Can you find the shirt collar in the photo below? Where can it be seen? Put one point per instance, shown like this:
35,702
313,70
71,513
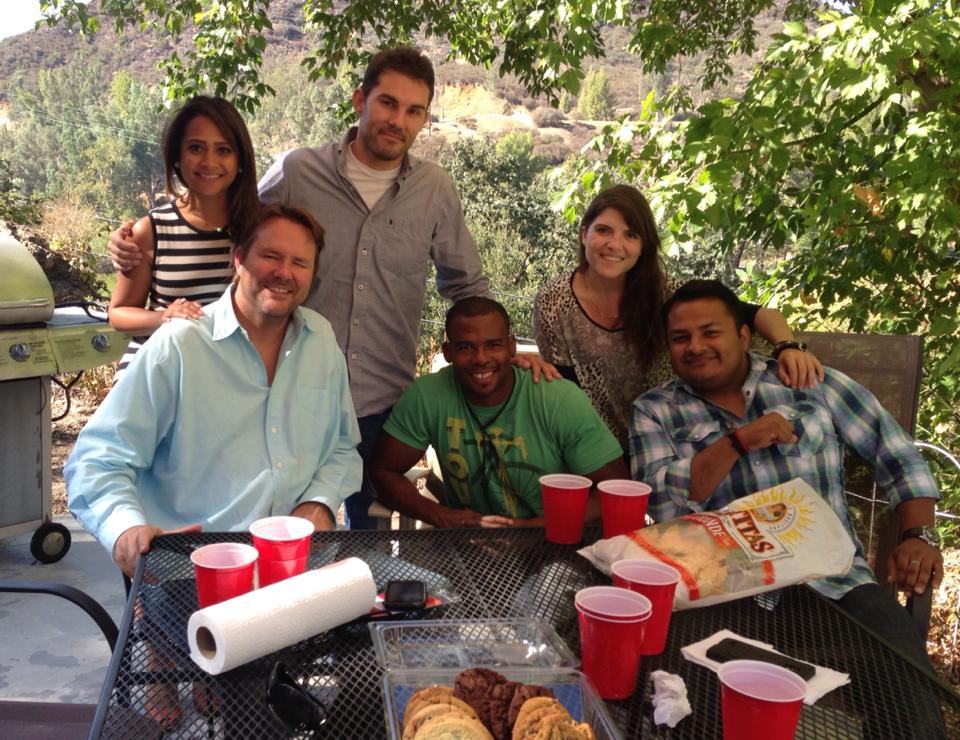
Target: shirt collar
407,166
758,366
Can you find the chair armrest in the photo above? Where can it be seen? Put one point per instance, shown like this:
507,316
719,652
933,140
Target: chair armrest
74,595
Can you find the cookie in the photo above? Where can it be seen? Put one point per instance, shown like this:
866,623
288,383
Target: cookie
478,687
558,727
450,727
431,711
532,713
524,692
433,695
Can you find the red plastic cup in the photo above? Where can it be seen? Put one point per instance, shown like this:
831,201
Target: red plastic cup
564,506
623,506
612,623
760,700
658,582
284,546
223,570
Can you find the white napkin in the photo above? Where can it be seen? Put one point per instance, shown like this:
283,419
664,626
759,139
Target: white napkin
823,681
670,702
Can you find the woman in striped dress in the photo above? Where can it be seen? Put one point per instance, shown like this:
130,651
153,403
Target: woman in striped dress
186,244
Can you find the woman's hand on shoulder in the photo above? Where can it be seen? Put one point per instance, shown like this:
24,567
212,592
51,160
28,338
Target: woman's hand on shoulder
799,369
536,365
181,309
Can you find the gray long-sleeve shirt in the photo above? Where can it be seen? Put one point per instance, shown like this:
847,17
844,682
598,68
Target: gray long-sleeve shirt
372,272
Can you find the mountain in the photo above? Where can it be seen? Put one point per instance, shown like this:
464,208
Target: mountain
22,56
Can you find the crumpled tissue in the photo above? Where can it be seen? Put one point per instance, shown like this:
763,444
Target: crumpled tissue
670,702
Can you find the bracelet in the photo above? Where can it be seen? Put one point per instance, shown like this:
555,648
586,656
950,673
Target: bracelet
737,444
787,344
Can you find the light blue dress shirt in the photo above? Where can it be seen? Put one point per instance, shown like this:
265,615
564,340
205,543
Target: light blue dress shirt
194,433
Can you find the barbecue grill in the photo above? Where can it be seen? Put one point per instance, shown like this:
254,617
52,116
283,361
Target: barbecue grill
38,341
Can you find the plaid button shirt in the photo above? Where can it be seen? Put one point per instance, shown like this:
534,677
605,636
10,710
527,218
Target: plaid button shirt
672,423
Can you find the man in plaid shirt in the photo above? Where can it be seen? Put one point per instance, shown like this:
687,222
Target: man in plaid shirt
728,427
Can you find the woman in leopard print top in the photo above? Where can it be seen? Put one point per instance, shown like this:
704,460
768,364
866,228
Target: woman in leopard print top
600,324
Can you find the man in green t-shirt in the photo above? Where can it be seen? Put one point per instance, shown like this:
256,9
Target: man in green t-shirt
494,430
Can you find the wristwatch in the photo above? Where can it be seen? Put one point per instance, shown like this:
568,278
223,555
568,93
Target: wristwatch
928,534
788,344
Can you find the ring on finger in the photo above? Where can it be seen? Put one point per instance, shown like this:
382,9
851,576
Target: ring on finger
914,562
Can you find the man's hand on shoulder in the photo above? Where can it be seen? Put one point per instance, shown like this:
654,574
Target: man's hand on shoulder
537,366
317,514
124,252
913,564
135,542
799,369
769,429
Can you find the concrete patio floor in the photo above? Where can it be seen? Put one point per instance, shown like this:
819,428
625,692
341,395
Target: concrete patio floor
51,651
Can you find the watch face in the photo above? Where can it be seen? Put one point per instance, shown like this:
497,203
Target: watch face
932,536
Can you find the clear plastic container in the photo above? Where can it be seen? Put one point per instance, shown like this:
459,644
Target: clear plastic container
570,686
463,643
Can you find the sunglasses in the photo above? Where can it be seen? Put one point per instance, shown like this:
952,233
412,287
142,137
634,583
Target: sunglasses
293,705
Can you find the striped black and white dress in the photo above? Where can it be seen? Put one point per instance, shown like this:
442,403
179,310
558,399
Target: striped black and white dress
188,263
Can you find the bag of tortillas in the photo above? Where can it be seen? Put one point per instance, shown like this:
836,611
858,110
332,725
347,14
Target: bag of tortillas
773,538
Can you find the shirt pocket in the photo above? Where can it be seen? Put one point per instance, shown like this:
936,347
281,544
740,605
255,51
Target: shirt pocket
808,425
403,246
690,439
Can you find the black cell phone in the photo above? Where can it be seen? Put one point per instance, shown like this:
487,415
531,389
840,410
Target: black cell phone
405,595
730,649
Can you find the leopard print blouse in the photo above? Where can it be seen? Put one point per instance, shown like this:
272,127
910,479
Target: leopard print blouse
607,368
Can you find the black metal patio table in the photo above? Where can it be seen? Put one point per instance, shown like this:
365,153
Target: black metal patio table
493,573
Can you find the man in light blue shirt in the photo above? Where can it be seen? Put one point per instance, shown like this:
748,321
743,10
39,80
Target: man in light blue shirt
244,413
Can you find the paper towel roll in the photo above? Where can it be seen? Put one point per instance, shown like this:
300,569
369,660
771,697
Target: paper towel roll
234,632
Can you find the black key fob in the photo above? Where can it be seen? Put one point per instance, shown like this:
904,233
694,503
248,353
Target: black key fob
405,595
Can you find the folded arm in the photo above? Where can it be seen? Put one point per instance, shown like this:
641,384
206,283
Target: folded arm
391,460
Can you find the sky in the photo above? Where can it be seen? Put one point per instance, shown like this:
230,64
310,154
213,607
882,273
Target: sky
19,16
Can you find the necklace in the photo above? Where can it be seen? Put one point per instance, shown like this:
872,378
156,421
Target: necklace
594,306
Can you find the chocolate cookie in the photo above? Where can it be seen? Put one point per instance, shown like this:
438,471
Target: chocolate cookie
524,692
478,688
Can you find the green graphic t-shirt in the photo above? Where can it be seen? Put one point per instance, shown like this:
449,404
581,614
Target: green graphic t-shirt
542,428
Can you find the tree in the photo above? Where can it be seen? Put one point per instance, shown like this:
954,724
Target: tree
596,102
543,42
842,162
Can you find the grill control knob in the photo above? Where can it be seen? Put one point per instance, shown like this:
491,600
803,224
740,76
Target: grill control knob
100,342
20,351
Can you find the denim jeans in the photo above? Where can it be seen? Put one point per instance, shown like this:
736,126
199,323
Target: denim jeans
356,505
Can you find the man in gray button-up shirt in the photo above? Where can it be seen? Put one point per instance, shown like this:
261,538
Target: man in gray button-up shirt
386,215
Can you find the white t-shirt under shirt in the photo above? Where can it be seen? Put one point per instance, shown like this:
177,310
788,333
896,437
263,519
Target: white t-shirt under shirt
370,183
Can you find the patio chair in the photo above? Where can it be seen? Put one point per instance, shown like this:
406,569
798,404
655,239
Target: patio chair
29,719
890,367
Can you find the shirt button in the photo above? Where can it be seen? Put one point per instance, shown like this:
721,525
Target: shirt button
353,356
360,286
273,429
363,252
279,466
356,322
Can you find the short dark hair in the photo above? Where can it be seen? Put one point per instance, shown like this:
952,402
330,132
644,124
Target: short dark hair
242,200
474,306
403,59
695,290
296,214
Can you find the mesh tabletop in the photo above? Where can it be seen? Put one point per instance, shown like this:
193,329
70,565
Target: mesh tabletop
491,573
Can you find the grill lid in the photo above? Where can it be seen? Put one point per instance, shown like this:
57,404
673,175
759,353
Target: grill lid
26,295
